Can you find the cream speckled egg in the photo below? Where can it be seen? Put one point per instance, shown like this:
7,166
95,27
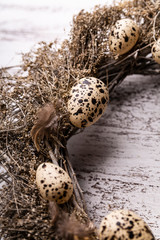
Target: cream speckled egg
53,183
124,225
88,101
123,36
156,51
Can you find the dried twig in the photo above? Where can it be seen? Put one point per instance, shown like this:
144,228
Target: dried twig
10,67
75,182
154,25
52,156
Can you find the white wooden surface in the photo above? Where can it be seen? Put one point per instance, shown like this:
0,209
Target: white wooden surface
117,160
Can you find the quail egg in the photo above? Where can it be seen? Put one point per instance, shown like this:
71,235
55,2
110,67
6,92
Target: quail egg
88,101
123,36
124,225
53,183
156,51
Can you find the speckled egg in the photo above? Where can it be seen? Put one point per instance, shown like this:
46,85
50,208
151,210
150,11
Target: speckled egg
53,183
123,36
156,51
88,101
124,225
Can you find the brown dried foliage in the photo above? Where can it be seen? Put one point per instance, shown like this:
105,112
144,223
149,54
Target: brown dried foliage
71,229
44,79
49,121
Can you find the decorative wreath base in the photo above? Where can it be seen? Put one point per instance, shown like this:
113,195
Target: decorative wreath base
45,77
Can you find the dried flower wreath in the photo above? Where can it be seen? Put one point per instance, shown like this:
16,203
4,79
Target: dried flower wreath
70,85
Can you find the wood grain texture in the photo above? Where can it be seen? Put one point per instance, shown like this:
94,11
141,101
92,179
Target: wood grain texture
25,23
117,160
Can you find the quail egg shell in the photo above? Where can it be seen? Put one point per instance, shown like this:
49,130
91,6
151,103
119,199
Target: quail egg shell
156,51
123,36
88,101
124,225
53,183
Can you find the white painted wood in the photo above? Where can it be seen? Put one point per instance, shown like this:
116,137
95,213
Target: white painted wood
117,160
25,23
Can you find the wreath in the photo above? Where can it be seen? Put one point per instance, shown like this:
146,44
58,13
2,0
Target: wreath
55,94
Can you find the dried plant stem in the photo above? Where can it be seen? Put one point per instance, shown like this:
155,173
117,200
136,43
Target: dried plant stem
154,26
78,190
50,151
4,179
4,155
9,67
12,129
15,199
68,167
20,107
118,79
134,54
10,155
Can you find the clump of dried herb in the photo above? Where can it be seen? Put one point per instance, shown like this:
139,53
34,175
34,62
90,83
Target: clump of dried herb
43,82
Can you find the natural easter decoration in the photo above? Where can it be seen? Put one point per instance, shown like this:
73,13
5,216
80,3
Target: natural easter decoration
54,183
124,224
88,101
156,51
124,35
36,120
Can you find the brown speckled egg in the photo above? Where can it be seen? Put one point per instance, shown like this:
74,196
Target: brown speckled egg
53,183
124,225
88,101
123,36
156,51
